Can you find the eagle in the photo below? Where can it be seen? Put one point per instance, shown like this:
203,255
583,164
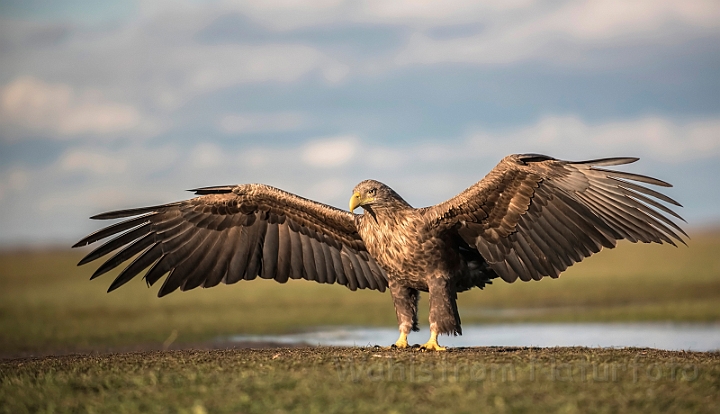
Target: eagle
532,216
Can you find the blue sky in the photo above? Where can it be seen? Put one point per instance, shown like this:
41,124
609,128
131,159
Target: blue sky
116,104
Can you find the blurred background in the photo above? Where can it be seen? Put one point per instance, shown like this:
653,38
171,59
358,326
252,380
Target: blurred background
122,103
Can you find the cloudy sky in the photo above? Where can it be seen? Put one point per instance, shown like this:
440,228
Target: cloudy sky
113,104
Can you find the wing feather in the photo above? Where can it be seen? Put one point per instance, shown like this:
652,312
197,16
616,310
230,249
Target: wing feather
125,254
644,190
349,268
239,261
208,253
256,241
338,266
319,256
114,229
114,244
529,258
362,274
270,251
549,233
368,277
225,248
549,250
644,220
329,268
296,264
308,258
140,263
284,253
190,254
534,216
231,233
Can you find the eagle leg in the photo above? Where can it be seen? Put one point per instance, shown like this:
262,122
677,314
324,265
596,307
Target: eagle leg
444,316
405,300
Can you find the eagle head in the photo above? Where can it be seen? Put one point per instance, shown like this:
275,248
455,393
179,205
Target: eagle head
371,194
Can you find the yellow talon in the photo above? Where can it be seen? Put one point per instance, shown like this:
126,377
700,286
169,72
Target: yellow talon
432,344
402,341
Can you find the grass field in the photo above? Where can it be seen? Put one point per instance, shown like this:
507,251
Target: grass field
47,303
359,380
48,307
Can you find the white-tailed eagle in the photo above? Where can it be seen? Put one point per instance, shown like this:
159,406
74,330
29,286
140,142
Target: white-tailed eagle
532,216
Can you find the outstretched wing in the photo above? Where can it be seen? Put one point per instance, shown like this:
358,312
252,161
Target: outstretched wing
232,233
534,216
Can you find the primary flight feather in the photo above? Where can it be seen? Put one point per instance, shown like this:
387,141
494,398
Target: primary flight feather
531,216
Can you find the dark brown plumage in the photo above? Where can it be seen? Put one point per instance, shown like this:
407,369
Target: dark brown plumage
531,216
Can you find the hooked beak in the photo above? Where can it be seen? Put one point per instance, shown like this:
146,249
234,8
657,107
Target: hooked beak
355,201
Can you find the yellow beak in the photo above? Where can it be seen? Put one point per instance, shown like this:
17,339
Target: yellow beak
355,201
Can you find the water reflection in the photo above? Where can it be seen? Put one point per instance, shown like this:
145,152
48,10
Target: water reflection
695,337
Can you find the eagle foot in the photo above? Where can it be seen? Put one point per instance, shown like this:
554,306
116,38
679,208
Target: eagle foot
401,343
432,346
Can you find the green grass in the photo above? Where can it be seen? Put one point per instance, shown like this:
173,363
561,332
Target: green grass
47,303
358,380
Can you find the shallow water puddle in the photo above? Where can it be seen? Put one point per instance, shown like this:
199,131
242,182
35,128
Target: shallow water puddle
692,337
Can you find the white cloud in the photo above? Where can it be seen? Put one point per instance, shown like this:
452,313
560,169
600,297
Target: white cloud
290,14
603,19
257,157
52,201
92,162
564,33
152,66
156,62
181,68
87,180
652,137
130,161
584,19
287,15
211,67
329,189
437,13
206,155
262,122
32,104
330,152
568,137
15,180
